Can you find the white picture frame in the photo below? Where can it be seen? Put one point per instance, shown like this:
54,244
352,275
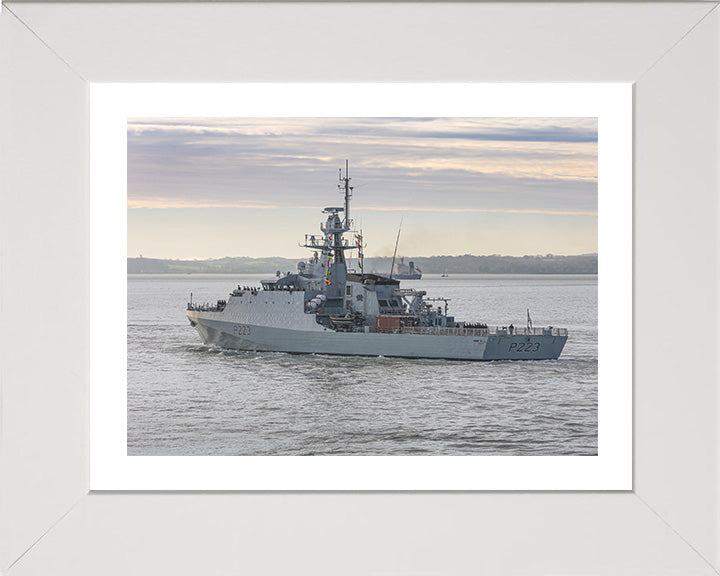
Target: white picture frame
667,524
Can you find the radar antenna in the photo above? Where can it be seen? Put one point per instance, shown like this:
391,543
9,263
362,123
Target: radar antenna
345,187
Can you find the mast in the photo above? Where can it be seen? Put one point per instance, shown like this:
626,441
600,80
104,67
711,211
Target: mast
345,187
397,240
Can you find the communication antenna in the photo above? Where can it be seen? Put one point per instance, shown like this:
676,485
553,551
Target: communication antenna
345,187
397,240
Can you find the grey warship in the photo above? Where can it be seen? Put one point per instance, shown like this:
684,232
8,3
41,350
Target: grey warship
327,308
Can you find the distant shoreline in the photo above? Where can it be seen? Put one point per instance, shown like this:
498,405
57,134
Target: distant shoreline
425,275
465,264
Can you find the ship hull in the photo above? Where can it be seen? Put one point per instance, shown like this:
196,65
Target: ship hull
229,334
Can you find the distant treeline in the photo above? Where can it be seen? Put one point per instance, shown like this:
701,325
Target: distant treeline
466,264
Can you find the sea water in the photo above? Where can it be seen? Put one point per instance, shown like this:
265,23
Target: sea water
185,398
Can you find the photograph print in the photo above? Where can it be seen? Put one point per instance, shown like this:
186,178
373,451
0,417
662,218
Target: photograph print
362,286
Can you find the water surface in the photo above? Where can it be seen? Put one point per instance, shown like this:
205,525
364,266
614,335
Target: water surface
188,399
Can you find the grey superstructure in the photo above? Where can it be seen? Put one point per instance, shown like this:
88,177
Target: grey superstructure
326,308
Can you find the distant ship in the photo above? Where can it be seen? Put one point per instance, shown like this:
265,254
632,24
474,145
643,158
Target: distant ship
402,271
324,308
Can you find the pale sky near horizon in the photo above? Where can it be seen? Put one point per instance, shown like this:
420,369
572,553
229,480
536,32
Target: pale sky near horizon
214,187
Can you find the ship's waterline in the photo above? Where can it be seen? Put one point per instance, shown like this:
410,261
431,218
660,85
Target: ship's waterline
448,343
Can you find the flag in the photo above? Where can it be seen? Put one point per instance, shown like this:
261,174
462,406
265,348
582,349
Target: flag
361,256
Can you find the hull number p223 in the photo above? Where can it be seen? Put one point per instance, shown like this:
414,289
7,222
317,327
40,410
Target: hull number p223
524,347
241,330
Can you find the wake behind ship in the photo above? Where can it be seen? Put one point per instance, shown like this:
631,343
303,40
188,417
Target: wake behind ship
325,308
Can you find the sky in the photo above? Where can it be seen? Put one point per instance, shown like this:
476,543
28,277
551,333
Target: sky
213,187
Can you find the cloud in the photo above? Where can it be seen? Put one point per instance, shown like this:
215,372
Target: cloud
233,161
544,167
465,210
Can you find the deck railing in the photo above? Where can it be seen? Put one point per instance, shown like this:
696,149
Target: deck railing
219,306
489,331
